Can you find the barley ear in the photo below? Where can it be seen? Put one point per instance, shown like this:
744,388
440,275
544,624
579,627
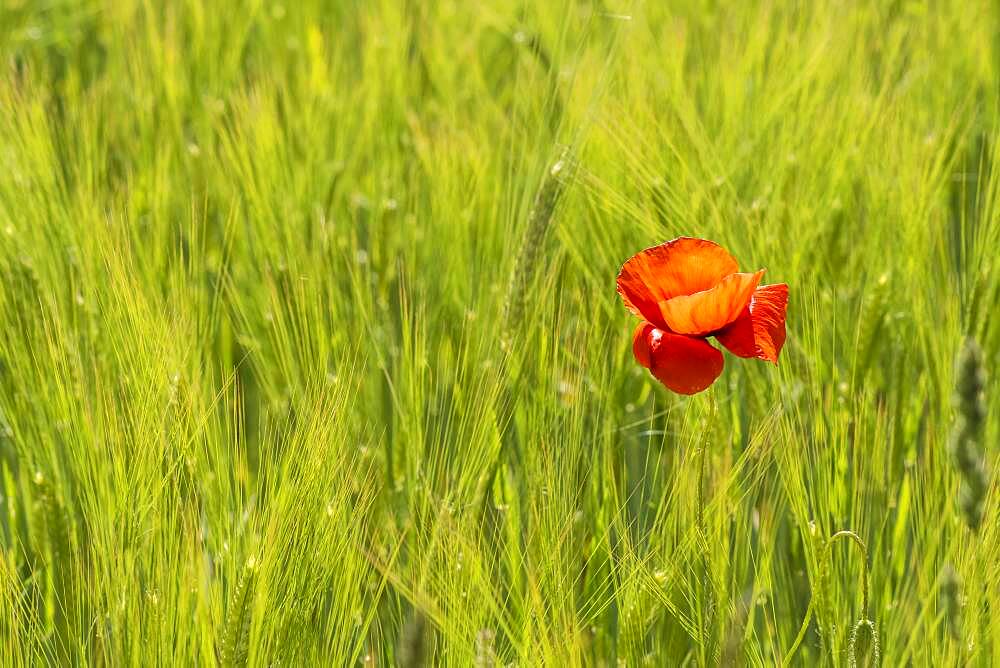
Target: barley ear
486,654
824,616
413,642
966,438
531,246
951,593
237,628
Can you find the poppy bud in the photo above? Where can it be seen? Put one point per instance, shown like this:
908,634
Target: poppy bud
863,648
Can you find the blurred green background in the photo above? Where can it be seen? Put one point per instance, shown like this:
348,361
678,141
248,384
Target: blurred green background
307,357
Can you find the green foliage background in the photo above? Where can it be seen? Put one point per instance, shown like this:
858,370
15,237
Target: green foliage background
256,377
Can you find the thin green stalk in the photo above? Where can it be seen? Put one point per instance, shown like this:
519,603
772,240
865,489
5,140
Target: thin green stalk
865,620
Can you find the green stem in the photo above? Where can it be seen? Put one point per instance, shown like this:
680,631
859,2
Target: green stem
856,539
801,635
864,557
702,468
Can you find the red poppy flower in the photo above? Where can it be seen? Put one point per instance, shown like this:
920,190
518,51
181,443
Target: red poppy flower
687,290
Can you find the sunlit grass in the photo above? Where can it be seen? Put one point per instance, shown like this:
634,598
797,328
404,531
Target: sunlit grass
263,400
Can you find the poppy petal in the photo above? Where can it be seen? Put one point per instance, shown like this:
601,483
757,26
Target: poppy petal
710,310
760,330
640,344
684,364
682,266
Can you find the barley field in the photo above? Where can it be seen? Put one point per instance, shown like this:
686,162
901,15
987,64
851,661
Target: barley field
311,352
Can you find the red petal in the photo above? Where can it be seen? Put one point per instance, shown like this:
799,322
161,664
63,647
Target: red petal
684,364
640,344
710,310
683,266
760,330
